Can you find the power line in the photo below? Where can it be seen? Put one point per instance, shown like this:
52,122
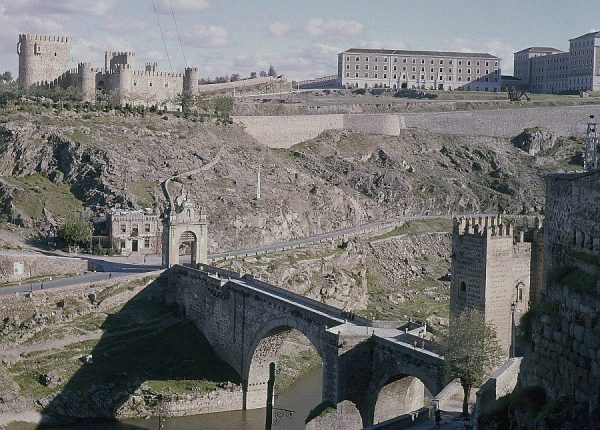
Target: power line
162,34
178,33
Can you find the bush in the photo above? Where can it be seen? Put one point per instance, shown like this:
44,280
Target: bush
75,232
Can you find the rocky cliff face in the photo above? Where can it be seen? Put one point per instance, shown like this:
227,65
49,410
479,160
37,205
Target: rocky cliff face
119,161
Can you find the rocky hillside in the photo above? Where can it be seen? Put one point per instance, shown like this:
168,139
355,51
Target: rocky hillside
89,162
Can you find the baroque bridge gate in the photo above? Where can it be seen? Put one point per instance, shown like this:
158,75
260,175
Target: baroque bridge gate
242,317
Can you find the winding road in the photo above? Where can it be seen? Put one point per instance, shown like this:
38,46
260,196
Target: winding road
112,267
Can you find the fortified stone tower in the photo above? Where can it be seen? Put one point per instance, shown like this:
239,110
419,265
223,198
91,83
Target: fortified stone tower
190,81
493,270
86,82
114,59
42,58
151,66
186,222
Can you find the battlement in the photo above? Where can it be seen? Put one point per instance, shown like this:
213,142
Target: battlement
43,38
84,65
488,226
159,74
118,54
191,69
493,227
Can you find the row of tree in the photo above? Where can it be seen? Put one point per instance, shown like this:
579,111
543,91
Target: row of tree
237,77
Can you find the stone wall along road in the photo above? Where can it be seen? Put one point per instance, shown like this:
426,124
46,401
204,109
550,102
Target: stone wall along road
561,121
286,131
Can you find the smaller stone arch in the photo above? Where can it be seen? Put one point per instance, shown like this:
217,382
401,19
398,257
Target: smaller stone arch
400,395
388,367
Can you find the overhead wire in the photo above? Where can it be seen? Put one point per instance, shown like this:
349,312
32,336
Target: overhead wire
178,33
162,35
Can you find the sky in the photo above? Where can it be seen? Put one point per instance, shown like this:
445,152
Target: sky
300,38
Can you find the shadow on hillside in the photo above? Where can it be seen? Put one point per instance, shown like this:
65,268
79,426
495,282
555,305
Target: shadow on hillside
143,341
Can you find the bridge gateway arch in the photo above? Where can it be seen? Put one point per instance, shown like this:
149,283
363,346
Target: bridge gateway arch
186,223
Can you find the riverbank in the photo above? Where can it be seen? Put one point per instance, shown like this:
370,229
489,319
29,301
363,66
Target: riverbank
105,350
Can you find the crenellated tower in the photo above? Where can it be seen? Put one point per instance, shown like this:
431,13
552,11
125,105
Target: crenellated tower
42,59
114,60
493,270
86,82
190,81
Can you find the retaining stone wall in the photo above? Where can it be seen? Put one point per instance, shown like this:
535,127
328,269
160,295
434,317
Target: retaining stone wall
560,121
16,267
286,131
565,357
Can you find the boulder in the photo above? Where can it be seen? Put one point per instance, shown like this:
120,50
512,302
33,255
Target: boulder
534,141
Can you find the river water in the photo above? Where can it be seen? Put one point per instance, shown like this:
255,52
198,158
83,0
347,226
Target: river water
301,398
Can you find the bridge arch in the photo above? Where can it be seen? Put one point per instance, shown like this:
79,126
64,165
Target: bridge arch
264,348
399,374
399,395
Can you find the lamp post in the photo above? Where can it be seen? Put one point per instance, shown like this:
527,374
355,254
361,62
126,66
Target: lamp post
513,307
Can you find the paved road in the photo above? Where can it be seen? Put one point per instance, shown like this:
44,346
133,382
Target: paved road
122,266
350,231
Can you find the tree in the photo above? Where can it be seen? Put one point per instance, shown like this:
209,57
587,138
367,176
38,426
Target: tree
252,75
471,350
234,77
272,71
262,74
6,77
75,232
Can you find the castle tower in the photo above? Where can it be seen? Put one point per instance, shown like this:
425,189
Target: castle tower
122,81
491,271
42,58
186,222
190,81
151,66
112,60
86,82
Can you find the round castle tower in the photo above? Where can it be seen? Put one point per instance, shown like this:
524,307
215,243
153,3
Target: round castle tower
42,58
190,81
86,82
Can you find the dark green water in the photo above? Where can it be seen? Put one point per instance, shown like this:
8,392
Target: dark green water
301,398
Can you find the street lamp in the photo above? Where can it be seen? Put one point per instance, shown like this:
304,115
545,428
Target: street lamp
513,307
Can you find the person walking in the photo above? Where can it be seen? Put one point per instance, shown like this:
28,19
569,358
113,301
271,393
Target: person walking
438,417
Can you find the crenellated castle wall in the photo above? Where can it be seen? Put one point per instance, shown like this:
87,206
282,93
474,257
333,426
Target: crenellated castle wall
571,230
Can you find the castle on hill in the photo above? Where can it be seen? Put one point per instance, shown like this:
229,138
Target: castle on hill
45,61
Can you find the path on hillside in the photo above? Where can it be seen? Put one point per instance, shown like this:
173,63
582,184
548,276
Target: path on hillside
202,168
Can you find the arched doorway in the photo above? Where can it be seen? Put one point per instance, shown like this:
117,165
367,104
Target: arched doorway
401,394
188,243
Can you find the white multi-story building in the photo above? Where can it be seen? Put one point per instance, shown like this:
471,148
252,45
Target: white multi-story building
369,68
550,70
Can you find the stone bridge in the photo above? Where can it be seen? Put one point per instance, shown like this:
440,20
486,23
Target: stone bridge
243,319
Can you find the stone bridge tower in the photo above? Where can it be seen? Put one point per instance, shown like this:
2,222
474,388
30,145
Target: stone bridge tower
186,222
42,58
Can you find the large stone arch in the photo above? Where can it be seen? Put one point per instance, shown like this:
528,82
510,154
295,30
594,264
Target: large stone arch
264,349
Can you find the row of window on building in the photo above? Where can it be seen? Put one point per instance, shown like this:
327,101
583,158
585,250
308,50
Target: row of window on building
414,61
135,228
414,69
422,77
